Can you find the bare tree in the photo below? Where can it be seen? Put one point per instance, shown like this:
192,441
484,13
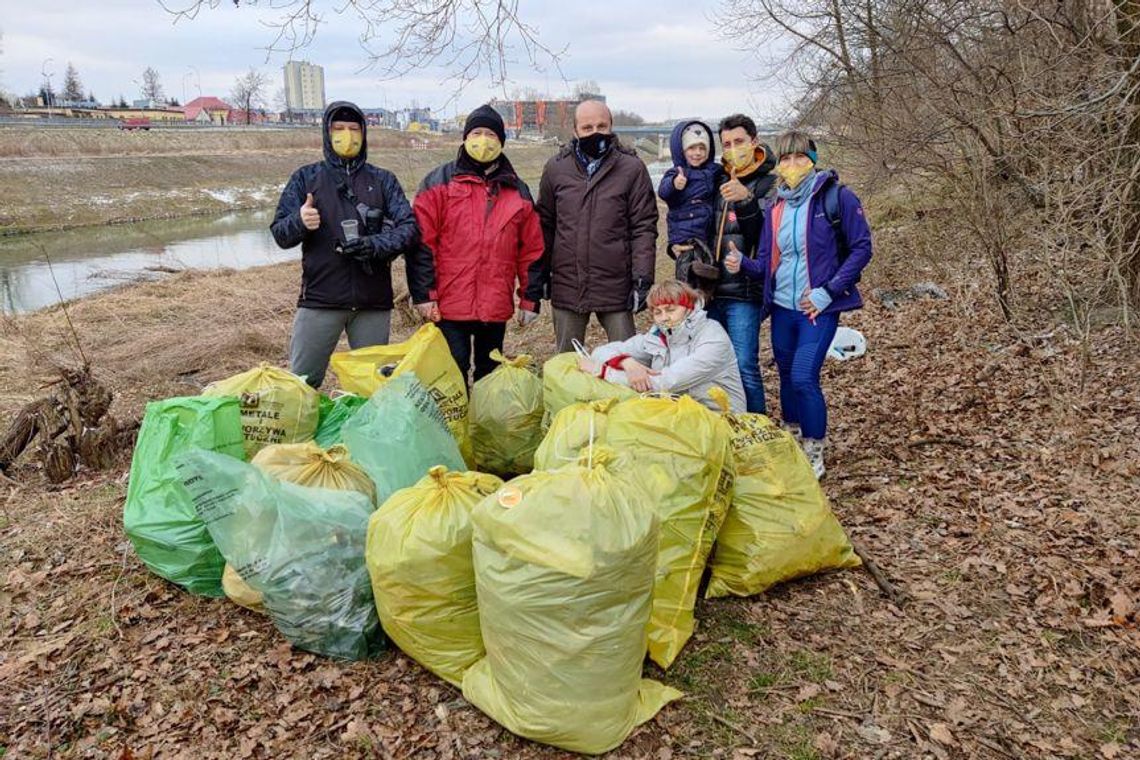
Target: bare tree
152,86
72,87
470,39
1022,114
585,88
280,101
248,93
627,119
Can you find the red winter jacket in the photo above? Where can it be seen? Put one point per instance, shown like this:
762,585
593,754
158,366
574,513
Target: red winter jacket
483,236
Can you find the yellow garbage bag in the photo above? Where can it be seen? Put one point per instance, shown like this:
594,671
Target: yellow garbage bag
305,464
780,525
419,557
564,384
276,406
571,432
364,370
506,417
682,453
564,565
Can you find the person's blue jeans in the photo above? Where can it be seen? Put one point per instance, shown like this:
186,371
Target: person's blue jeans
741,320
800,346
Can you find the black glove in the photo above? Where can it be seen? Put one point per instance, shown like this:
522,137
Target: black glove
637,298
360,249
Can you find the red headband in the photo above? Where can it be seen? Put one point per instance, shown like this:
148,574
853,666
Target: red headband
684,299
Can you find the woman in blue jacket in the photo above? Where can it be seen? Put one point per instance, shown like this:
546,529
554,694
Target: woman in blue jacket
813,247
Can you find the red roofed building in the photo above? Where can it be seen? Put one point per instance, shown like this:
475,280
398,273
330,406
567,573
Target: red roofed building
208,110
238,116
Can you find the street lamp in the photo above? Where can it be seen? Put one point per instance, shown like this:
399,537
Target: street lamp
198,78
49,96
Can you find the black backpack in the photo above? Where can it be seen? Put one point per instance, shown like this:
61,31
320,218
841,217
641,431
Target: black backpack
831,211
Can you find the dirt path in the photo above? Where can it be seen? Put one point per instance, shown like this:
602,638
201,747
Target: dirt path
973,465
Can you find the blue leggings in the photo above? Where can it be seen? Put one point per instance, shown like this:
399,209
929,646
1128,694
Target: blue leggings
800,346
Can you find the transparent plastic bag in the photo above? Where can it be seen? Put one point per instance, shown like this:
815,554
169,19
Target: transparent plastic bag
399,435
301,548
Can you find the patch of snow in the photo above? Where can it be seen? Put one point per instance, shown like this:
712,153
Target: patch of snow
228,197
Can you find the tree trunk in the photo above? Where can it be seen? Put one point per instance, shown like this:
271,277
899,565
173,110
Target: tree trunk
1128,245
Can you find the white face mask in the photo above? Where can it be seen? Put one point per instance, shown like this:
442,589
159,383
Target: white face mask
668,322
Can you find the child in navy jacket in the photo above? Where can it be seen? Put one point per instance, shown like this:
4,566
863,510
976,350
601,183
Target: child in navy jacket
689,188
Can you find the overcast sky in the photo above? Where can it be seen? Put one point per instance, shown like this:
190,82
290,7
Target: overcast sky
659,58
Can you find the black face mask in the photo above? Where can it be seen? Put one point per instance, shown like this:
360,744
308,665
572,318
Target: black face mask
596,145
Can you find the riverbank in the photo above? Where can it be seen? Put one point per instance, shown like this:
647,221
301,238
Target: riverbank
61,178
993,475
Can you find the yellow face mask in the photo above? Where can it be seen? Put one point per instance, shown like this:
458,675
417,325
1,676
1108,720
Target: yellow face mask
793,175
346,143
483,148
740,156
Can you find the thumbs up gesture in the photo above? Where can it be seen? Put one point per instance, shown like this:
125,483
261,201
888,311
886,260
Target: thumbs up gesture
732,259
310,217
680,180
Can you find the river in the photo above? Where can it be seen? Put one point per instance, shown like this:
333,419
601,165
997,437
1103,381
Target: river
36,269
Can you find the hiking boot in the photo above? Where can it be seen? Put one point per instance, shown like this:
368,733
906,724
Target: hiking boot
793,429
813,447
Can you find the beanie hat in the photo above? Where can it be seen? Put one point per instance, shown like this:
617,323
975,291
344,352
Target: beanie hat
345,113
812,152
693,134
485,116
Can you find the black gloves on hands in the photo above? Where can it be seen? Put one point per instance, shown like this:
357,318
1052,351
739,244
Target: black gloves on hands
360,249
637,298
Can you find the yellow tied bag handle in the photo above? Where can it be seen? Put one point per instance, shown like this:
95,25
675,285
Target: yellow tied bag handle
720,398
522,361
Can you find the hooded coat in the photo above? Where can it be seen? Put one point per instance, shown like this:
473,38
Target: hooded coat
691,209
345,188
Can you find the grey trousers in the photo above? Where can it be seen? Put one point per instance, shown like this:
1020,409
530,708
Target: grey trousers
317,331
570,326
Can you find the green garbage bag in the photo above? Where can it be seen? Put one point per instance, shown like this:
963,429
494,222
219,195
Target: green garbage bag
334,413
564,566
301,548
400,434
158,518
505,419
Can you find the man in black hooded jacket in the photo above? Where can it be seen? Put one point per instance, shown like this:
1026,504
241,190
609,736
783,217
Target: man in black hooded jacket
346,280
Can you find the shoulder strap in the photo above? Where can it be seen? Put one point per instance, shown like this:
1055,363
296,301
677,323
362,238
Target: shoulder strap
831,211
342,186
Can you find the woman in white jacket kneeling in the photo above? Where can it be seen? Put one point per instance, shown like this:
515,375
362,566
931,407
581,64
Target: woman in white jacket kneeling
684,351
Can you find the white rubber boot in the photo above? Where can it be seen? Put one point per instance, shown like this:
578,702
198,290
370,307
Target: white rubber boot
793,428
813,447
